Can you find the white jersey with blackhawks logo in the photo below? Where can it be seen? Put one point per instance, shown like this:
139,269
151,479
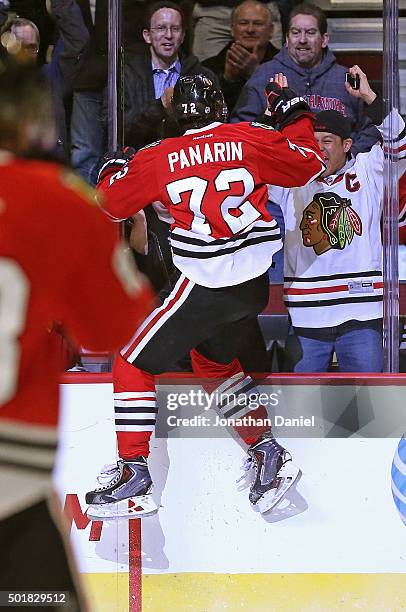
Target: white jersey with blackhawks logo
333,246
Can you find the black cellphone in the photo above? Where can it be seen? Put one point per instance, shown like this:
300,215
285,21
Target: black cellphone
353,82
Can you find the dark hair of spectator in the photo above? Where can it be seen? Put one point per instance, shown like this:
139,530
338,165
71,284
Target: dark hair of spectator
157,6
306,8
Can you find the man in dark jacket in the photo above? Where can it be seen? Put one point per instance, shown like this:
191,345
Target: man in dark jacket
151,76
144,107
251,28
313,73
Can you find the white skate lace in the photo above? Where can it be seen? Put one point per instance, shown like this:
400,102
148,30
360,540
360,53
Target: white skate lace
109,475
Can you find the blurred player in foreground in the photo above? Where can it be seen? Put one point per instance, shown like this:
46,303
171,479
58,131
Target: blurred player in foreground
213,182
59,261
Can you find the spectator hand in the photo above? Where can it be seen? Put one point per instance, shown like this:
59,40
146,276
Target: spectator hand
240,63
280,79
364,92
114,161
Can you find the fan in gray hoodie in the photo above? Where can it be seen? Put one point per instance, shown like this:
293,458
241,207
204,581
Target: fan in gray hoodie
312,72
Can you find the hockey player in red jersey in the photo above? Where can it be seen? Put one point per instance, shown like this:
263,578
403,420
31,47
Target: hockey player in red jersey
213,181
59,261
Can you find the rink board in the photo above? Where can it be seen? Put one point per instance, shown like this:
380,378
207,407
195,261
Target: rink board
337,542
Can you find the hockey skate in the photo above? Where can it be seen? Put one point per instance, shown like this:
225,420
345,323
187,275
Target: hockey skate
124,492
275,472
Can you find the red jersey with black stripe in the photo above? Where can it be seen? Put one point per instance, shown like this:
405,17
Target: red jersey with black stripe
59,261
213,181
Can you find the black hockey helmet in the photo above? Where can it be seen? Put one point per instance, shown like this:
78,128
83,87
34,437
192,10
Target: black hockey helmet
197,101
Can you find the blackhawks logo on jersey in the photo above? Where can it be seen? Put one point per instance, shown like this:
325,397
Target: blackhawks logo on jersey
329,222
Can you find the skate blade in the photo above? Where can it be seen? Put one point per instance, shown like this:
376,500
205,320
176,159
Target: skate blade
131,508
287,476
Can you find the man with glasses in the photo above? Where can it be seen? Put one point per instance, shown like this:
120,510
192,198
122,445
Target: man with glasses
151,76
313,72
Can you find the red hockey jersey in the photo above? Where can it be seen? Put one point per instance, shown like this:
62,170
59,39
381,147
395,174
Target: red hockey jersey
59,261
213,181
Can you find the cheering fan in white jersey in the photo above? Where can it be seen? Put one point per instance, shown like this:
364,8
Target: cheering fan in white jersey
333,250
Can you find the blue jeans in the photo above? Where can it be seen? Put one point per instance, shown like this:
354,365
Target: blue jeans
357,344
88,134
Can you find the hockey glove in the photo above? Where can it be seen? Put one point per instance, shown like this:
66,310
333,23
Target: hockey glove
113,162
284,105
